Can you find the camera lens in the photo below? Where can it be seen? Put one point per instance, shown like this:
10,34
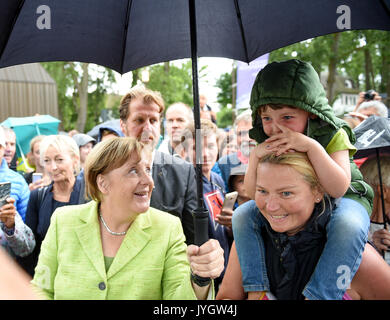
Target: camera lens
369,95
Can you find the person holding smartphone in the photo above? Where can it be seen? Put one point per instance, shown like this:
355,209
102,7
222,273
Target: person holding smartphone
15,236
19,189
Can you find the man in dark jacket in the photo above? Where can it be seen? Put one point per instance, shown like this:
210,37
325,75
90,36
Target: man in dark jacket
174,183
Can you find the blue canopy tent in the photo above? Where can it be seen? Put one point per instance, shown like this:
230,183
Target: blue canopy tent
27,128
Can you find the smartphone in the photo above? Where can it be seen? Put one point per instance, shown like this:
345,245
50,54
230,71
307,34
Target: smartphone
230,200
5,191
36,177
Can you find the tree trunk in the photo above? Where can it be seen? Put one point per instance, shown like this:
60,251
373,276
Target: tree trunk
83,97
385,69
135,73
385,74
234,89
166,67
332,68
367,69
61,112
166,71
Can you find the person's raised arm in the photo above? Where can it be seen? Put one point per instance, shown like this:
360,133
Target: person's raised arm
333,171
372,280
250,175
361,98
231,286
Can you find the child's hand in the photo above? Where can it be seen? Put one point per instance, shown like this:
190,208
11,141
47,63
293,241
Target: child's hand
287,141
259,151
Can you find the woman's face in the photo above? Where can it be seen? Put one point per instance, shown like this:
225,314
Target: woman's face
284,198
59,164
130,186
35,153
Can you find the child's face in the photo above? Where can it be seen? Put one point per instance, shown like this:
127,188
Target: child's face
293,118
209,152
238,185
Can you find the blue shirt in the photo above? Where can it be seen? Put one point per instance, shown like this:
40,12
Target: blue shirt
19,188
224,166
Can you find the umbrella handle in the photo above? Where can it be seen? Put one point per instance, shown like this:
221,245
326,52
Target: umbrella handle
201,226
201,229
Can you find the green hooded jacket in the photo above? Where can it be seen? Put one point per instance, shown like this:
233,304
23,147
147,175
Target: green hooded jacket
297,84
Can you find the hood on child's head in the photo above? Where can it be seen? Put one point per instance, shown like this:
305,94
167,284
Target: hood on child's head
294,83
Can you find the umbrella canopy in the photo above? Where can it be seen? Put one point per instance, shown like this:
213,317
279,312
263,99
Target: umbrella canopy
373,137
127,34
26,128
372,134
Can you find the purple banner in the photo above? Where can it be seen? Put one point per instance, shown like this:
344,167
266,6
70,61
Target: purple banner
246,75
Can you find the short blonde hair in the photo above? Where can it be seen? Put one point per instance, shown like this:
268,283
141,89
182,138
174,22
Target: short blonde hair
61,143
148,96
207,127
298,161
107,156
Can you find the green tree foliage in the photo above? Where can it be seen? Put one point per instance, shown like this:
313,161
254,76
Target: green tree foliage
173,82
70,87
225,117
225,95
362,55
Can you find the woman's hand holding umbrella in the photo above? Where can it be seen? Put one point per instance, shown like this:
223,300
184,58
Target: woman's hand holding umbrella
206,261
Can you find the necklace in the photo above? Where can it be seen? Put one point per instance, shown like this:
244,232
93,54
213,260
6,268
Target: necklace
108,229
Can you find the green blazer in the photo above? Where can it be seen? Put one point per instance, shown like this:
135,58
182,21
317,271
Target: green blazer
151,262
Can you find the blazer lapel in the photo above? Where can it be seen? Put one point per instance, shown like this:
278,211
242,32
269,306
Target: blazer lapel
88,234
136,239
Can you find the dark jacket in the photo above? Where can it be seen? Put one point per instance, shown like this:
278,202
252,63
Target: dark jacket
175,190
297,84
291,260
40,208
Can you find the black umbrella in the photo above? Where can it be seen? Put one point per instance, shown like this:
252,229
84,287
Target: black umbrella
373,137
127,34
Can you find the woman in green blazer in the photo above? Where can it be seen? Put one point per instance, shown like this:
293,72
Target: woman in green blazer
116,246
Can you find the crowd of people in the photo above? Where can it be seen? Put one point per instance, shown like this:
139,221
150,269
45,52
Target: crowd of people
112,217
